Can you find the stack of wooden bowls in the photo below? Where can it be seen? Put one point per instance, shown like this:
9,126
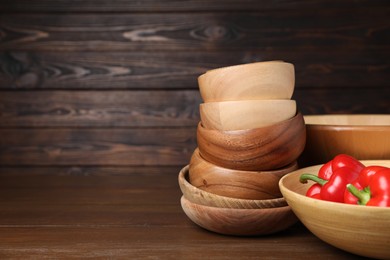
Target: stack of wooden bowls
249,136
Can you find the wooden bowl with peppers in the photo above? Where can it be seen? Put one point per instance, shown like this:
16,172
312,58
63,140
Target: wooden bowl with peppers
345,202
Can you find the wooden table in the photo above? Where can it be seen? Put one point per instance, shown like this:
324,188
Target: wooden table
110,213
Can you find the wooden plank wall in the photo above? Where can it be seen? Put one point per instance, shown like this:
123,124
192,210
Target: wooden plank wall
113,83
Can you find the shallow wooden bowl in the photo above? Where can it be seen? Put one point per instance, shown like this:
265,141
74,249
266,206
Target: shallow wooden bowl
245,114
202,197
366,137
259,149
257,185
239,222
362,230
260,80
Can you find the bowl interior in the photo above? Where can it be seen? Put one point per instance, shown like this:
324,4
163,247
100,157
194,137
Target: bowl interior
358,229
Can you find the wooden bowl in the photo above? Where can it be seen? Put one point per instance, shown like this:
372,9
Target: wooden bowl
365,137
239,222
202,197
260,80
362,230
245,114
259,149
256,185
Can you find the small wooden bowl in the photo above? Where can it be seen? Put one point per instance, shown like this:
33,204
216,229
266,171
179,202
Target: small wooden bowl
245,114
239,222
362,230
259,149
256,185
365,137
202,197
260,80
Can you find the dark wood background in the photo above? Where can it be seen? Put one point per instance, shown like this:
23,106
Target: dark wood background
110,86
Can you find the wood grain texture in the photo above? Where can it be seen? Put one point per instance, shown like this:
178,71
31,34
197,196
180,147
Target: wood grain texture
160,108
369,100
250,185
67,70
344,29
132,147
258,80
99,108
360,136
245,114
107,70
135,216
158,242
85,173
177,70
239,222
203,197
148,172
257,149
177,6
134,199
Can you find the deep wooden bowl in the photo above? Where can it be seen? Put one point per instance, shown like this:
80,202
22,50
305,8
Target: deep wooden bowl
202,197
256,185
245,114
259,149
239,222
362,230
260,80
365,137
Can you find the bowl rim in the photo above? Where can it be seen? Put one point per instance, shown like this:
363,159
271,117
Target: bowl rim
234,102
241,210
217,115
320,125
242,131
335,205
254,204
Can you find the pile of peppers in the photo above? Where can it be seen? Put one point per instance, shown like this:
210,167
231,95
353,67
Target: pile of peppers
345,179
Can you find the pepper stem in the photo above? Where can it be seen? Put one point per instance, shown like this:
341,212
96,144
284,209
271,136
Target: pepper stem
363,196
307,176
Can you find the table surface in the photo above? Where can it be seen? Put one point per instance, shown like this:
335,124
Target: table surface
112,213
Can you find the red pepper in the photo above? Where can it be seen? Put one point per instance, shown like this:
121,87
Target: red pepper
333,177
314,191
364,177
371,188
324,173
343,160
